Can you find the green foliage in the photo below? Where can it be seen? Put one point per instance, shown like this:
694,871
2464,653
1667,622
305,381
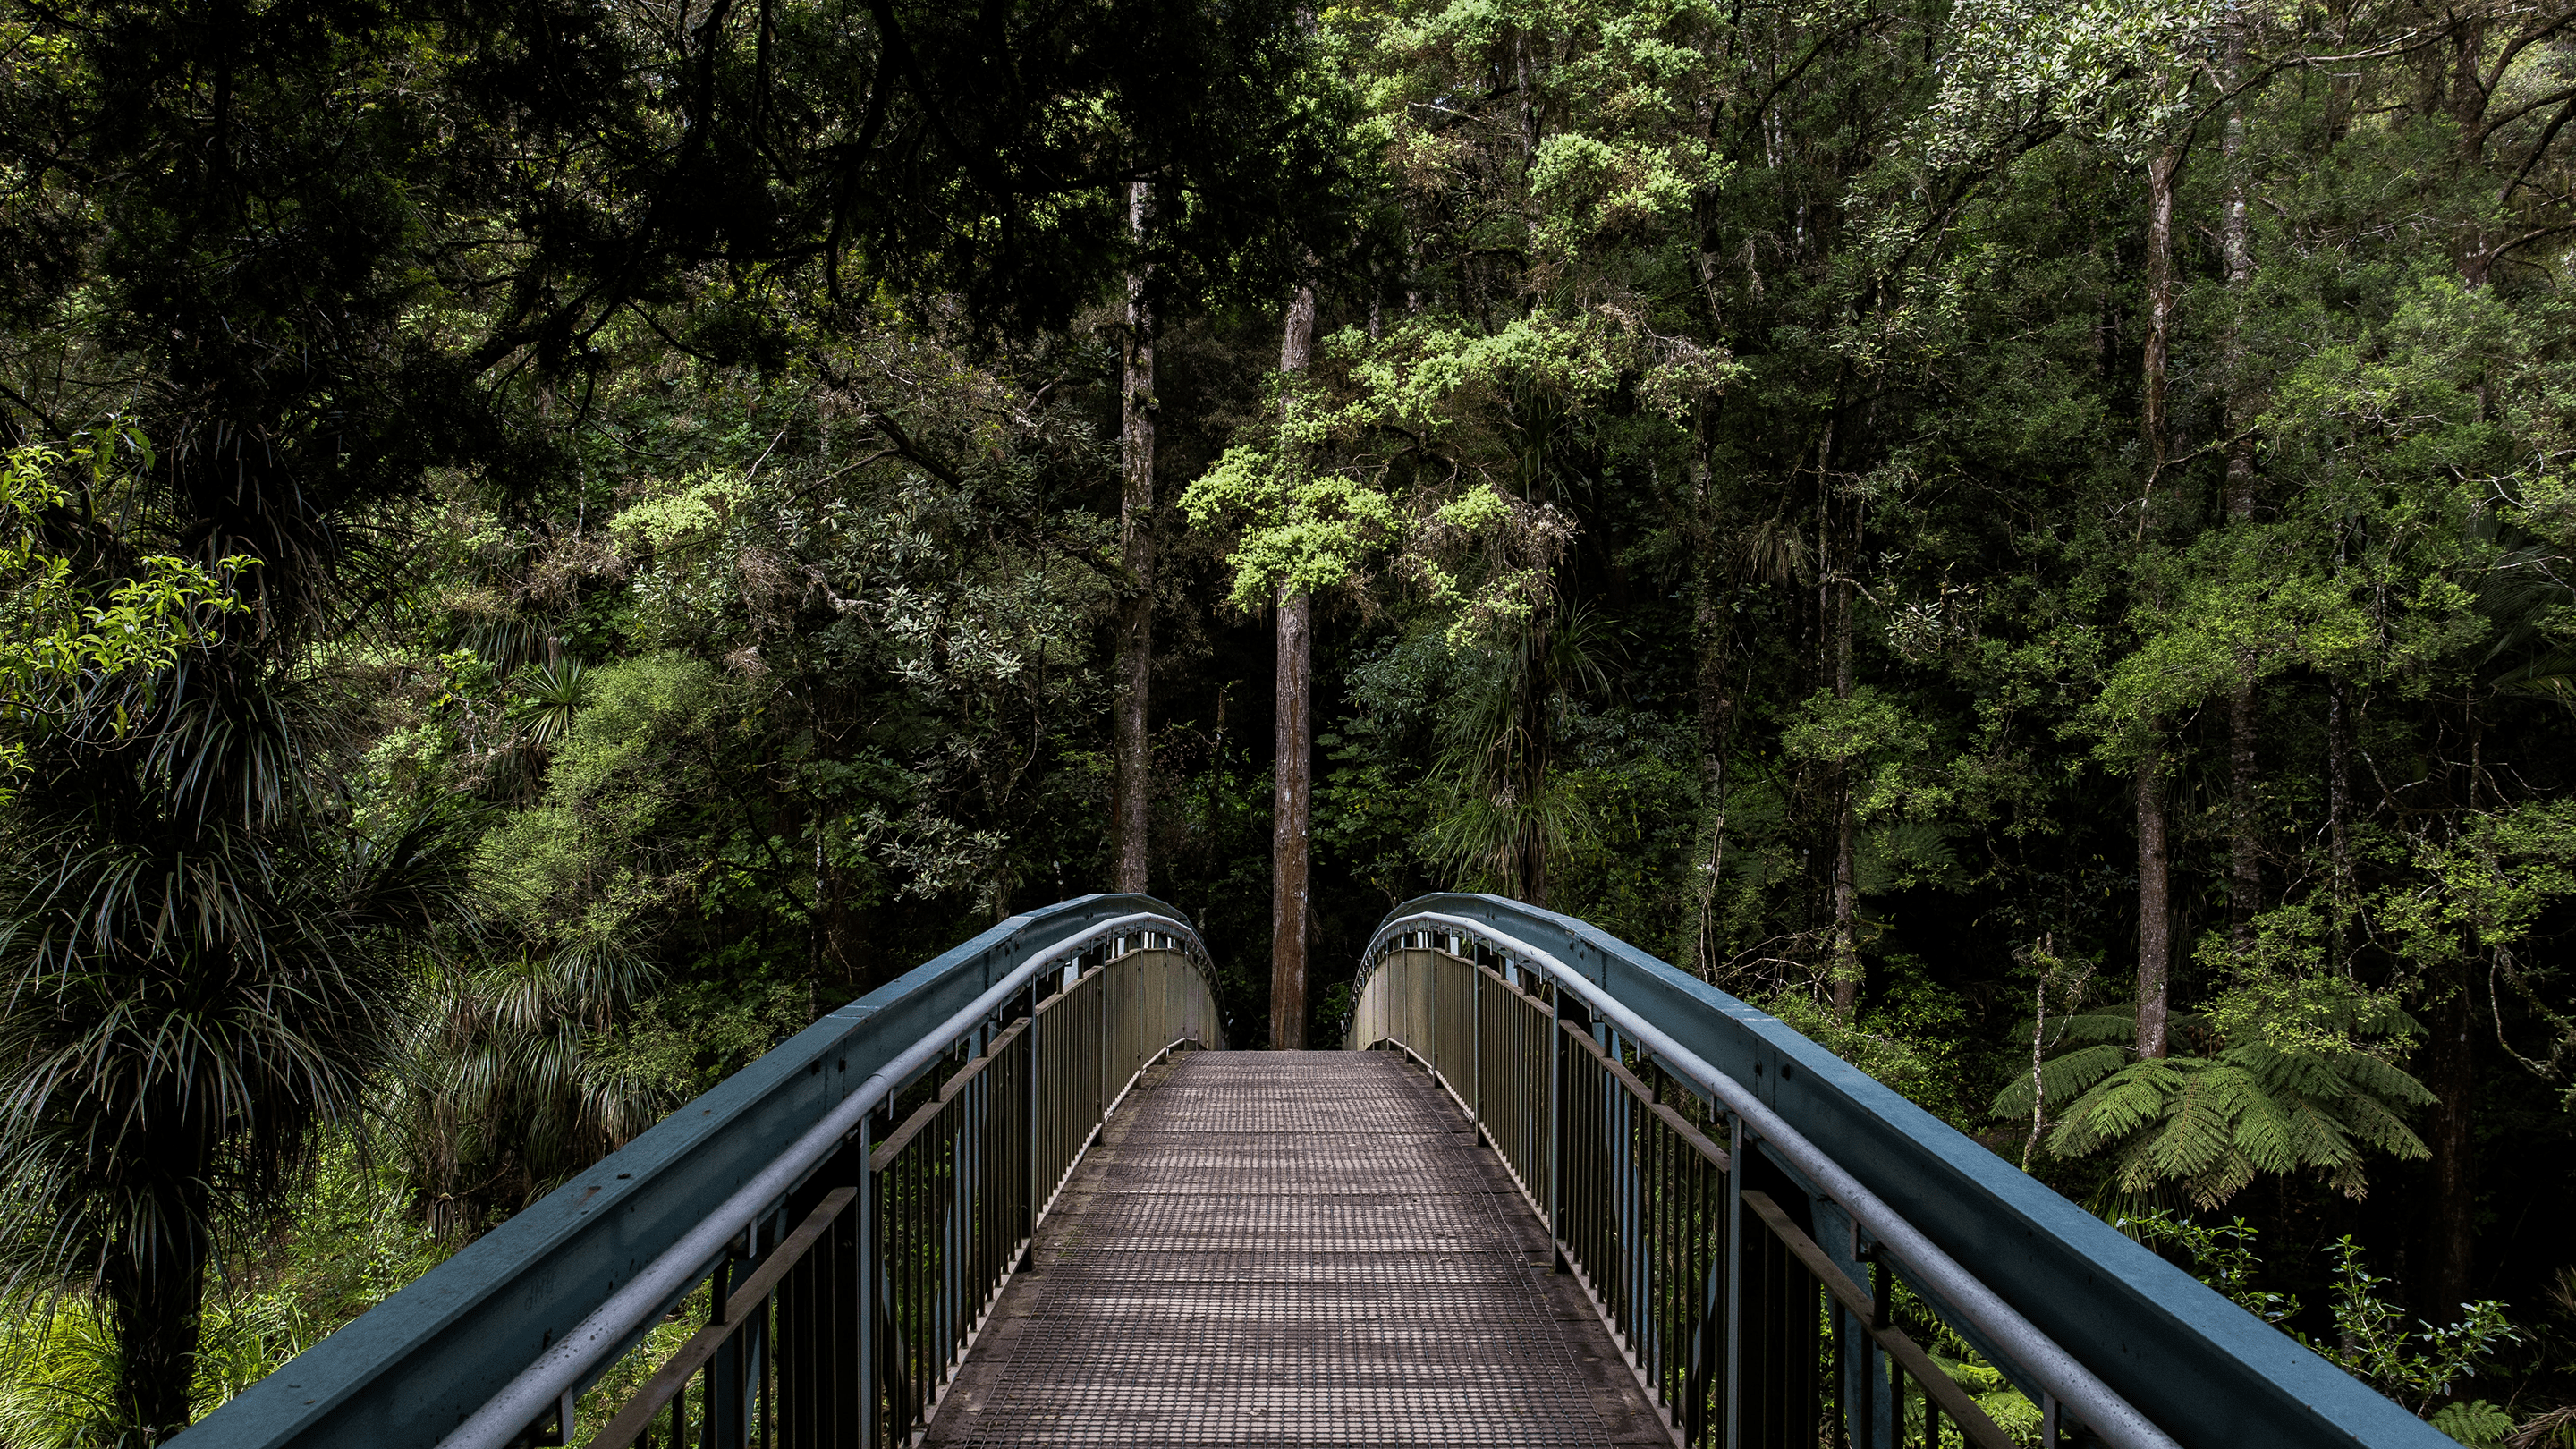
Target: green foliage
503,1091
2414,1365
345,1246
2474,1422
2221,1255
2299,1080
1507,813
2371,1339
689,548
61,633
1873,736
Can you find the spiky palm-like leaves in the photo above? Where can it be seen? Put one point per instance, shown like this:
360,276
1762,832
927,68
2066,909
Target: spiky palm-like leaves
2210,1124
200,969
551,698
502,1092
1507,815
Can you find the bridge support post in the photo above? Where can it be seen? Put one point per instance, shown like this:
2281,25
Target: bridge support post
1029,1137
1556,1123
1731,1347
865,1283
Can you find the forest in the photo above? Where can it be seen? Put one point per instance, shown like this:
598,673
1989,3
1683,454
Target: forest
550,542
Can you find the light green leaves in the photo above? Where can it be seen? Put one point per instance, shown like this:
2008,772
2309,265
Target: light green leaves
1300,530
2486,889
2118,69
1880,741
57,629
2297,1074
2210,1125
2374,1342
693,508
2240,604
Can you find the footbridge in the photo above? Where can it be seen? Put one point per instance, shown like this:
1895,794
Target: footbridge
1556,1193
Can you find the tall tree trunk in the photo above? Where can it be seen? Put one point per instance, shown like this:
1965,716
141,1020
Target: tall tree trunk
2338,806
2245,858
1292,796
2160,198
155,1294
1291,821
1712,629
1136,544
1847,968
2450,1074
2155,860
2155,908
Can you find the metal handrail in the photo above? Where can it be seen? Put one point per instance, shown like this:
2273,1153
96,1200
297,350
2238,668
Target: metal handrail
636,1232
2056,1370
2214,1374
601,1336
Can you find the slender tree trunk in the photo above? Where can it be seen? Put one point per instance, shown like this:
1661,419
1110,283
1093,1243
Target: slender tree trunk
2245,857
155,1293
2338,807
1847,968
2160,197
1291,823
2155,908
1712,629
2155,861
2245,846
2450,1074
1293,793
1525,873
1136,542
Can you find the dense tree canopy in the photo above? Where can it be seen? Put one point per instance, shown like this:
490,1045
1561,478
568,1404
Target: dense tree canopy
549,543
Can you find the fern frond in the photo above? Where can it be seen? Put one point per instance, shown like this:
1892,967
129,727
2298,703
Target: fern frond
2317,1139
2199,1125
2071,1074
2372,1122
2386,1080
2118,1024
2269,1133
2227,1177
2117,1105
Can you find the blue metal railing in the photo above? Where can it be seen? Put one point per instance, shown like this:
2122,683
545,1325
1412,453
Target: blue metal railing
530,1311
2075,1313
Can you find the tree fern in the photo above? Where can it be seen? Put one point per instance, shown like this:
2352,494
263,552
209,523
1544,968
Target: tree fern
2310,1098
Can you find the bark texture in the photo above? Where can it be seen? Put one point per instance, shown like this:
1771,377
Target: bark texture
2155,909
2245,852
1847,969
1712,630
155,1300
1132,746
2155,860
2450,1074
1292,793
2160,199
1291,806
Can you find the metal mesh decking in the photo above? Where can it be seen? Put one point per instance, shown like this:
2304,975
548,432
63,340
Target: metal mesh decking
1290,1249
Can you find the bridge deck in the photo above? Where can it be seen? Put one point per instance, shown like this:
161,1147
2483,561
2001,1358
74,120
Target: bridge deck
1293,1249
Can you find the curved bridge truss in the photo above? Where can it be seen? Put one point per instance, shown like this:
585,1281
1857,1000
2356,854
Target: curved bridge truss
1747,1211
1784,1250
840,1216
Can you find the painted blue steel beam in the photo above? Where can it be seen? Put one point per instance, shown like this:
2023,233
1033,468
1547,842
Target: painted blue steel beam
414,1366
2206,1371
